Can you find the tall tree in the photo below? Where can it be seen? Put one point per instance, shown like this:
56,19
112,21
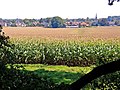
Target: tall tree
98,71
57,22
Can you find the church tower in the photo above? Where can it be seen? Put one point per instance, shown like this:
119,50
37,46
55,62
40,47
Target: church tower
96,17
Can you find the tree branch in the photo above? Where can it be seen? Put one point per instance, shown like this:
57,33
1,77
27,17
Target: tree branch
110,2
95,73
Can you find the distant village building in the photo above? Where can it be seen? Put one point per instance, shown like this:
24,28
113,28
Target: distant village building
1,22
5,25
46,24
72,24
69,23
111,23
77,26
84,24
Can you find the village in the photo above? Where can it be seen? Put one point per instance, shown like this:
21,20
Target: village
68,23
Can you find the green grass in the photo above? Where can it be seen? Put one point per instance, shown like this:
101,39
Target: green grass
59,74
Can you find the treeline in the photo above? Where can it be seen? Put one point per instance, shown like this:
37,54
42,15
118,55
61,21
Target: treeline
58,22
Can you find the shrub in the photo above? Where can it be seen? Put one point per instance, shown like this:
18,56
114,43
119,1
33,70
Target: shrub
108,82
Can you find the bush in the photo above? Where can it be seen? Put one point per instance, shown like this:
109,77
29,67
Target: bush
11,78
107,82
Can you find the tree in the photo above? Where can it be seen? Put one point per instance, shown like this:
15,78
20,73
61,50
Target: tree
117,23
110,2
4,49
95,73
103,22
57,22
98,71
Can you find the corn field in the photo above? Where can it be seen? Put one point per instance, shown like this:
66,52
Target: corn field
72,47
65,52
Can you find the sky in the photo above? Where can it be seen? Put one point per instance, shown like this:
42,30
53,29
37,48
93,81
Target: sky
12,9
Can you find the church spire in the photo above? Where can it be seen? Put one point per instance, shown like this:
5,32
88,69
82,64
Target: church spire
96,16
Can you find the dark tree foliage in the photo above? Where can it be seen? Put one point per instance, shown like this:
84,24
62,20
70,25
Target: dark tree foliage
3,48
95,73
57,22
110,2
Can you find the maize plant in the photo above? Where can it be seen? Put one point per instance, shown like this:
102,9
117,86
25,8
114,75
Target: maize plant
71,53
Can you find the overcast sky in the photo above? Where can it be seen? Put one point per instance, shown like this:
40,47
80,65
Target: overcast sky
63,8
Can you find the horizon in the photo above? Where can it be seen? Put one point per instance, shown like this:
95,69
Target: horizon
71,9
62,18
